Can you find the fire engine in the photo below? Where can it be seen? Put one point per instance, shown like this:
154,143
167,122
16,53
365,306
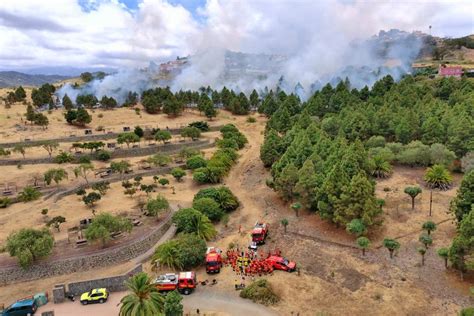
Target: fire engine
259,233
213,260
184,282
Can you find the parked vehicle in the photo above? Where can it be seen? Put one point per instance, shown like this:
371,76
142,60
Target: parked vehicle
184,282
260,233
281,263
95,296
213,260
23,307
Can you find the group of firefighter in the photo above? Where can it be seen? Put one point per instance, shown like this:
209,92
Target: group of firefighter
248,263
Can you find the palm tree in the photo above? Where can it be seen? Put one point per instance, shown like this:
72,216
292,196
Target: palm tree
380,168
144,298
167,255
203,227
438,177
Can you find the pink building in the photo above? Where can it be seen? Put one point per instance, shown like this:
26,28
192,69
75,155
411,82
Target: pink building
445,71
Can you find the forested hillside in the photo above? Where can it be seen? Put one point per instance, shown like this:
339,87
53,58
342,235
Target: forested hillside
325,153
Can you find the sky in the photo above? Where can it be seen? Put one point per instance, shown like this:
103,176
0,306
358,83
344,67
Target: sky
131,33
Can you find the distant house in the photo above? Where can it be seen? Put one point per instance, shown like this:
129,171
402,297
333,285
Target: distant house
446,71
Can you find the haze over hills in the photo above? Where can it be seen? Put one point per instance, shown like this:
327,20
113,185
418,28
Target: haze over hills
14,78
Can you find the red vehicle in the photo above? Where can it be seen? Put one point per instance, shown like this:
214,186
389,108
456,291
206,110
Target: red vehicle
259,233
184,282
213,260
280,263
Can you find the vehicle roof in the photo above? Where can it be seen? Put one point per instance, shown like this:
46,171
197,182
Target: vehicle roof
25,302
275,258
212,256
186,275
257,230
100,290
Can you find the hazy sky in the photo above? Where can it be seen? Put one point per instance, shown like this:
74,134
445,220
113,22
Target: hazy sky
129,33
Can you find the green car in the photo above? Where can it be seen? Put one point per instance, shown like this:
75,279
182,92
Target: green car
94,296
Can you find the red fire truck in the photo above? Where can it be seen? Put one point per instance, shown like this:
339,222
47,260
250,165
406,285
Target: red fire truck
184,282
259,233
213,260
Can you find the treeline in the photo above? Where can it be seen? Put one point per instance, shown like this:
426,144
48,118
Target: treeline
324,152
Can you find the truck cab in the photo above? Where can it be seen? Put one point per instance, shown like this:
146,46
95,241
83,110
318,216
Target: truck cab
259,233
213,260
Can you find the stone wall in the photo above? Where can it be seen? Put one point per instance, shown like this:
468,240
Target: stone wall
86,138
113,284
106,257
119,153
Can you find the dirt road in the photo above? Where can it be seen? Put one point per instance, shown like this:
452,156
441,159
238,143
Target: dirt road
207,302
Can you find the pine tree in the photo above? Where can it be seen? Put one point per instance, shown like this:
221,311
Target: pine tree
67,103
271,149
286,182
307,184
358,201
461,204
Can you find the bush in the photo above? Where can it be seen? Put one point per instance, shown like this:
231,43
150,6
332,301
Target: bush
201,176
63,157
228,143
195,162
29,193
222,195
439,154
86,159
209,207
261,292
5,202
415,154
375,141
201,125
178,173
251,119
103,155
467,162
185,252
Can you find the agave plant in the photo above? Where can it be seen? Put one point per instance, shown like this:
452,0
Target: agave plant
438,177
144,299
380,168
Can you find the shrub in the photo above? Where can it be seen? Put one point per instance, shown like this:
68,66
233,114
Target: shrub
201,176
196,162
415,154
375,141
86,159
81,191
261,292
439,154
251,119
29,193
228,143
467,162
185,252
178,173
5,202
63,157
103,155
163,181
156,206
222,195
201,125
209,207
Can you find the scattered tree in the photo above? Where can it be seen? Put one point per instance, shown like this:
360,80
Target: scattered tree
163,181
444,253
104,224
163,136
422,252
426,240
102,187
127,138
91,198
413,193
83,171
285,223
120,166
56,222
29,244
21,149
191,132
391,245
363,243
429,226
157,206
56,175
178,173
356,227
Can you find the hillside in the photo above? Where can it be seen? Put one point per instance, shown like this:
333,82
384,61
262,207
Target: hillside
14,78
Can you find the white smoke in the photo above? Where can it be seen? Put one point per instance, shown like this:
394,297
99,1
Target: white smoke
322,42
